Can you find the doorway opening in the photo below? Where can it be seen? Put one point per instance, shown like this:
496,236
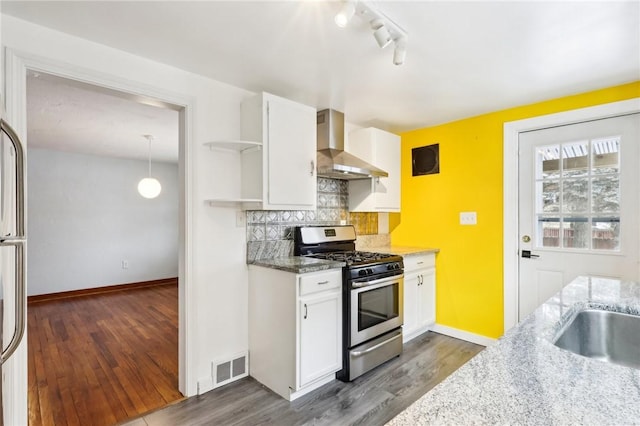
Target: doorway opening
104,261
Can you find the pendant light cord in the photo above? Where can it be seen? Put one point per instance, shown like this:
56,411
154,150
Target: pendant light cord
149,137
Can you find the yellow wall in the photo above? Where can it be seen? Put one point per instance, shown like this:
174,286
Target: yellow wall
470,265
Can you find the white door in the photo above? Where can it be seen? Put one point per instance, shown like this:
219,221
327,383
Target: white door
578,208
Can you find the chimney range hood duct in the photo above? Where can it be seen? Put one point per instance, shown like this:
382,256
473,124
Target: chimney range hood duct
333,161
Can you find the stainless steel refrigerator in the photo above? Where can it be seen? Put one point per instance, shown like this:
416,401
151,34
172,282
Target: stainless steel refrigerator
12,266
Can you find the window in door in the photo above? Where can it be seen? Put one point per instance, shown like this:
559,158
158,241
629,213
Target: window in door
577,189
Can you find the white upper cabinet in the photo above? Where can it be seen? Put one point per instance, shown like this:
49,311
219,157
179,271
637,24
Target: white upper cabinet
283,173
382,149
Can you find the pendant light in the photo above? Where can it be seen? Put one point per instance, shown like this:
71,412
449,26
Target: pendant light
149,187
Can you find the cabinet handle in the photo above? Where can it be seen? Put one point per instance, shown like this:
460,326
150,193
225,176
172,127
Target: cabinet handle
420,279
323,282
420,263
313,167
305,311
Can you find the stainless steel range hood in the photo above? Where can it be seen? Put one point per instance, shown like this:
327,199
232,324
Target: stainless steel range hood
333,161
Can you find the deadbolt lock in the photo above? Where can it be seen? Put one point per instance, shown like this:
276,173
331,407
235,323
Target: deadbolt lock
526,239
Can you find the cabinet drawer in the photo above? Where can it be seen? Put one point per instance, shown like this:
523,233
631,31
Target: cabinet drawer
419,261
322,281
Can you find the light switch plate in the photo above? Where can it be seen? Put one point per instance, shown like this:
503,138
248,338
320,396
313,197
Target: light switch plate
468,218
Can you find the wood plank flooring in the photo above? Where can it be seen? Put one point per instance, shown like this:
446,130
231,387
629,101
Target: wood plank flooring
372,399
101,359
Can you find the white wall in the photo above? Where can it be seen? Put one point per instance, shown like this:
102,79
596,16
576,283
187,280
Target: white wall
85,217
215,290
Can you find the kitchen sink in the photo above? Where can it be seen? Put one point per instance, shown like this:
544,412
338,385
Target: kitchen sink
603,335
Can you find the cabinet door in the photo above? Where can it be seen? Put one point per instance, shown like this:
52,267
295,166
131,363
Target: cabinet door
291,155
411,285
382,149
320,336
387,190
427,298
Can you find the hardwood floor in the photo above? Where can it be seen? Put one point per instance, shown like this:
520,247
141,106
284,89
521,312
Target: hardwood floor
101,359
372,399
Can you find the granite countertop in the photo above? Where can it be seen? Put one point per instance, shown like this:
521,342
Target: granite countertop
303,265
404,251
298,264
524,379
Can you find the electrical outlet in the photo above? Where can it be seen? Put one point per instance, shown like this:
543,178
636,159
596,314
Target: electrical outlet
241,219
468,218
125,264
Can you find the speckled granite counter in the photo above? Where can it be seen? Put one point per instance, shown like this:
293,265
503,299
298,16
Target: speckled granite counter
298,264
524,379
403,251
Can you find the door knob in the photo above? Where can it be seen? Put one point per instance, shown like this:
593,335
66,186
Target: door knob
526,239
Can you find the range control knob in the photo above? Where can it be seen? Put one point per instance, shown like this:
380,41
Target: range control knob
369,271
362,272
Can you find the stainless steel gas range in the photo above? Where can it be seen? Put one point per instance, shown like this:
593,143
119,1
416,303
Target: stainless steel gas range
372,288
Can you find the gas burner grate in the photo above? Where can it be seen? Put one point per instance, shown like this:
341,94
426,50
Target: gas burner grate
352,257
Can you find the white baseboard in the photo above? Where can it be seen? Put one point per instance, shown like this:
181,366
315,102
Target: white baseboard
463,335
415,333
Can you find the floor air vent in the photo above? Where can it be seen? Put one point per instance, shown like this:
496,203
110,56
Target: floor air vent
227,371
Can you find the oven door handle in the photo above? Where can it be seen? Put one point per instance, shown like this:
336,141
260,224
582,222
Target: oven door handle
375,282
374,347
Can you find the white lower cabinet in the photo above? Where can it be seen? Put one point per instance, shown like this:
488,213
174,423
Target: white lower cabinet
419,294
295,329
318,332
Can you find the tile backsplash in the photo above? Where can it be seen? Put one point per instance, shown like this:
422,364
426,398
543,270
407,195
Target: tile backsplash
270,232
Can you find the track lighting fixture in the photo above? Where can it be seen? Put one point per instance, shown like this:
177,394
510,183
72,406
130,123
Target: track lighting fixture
343,17
380,33
399,52
384,29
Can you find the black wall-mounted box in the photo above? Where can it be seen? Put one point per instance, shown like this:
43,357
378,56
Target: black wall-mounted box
425,160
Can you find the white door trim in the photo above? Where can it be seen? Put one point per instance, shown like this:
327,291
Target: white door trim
16,65
510,186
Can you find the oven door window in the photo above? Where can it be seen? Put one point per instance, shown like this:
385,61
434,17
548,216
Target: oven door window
377,306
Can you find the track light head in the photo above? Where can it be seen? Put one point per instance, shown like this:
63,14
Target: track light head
380,33
400,51
345,14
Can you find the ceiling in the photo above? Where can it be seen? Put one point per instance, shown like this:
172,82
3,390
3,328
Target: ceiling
72,116
464,58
